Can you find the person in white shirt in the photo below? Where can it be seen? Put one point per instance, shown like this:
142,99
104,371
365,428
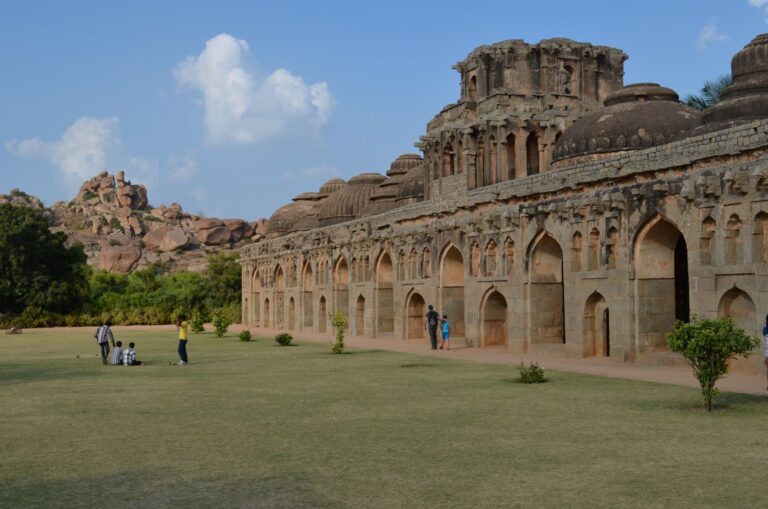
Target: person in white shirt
117,354
129,356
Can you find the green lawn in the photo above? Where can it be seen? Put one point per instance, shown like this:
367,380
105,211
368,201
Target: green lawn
258,425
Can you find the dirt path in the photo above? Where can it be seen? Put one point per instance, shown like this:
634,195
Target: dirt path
748,384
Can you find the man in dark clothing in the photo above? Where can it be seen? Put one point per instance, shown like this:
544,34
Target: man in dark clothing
431,322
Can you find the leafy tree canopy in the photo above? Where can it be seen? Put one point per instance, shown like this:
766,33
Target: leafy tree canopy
710,93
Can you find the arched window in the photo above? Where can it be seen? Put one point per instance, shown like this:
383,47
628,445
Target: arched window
490,176
509,256
532,153
473,87
576,255
707,240
491,258
612,247
413,264
401,265
759,239
511,154
459,157
426,263
593,256
366,268
479,162
475,259
733,240
355,273
448,160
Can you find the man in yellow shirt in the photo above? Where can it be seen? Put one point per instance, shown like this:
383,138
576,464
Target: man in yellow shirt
181,323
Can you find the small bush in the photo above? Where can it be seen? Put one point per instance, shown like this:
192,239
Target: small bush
114,242
339,321
245,335
220,324
196,324
89,195
531,373
283,339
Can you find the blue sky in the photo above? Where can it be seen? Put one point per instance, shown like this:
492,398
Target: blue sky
232,108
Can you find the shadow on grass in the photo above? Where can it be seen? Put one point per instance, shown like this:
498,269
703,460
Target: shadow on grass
23,373
154,489
517,381
419,365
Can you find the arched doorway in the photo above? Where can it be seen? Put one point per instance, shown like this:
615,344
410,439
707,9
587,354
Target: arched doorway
662,295
360,316
308,285
291,314
267,321
385,311
546,306
256,299
452,289
494,320
597,338
279,297
322,315
341,286
415,312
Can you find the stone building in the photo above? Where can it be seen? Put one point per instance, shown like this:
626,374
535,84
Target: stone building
552,210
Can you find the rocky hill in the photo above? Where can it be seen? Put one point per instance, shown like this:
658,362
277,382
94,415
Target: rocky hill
122,232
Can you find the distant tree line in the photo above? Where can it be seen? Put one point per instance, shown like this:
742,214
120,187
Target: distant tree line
45,283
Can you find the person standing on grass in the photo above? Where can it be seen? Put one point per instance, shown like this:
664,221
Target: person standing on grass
181,323
445,328
430,324
765,350
117,354
103,337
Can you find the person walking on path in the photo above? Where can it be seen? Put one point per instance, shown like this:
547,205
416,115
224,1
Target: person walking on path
117,354
430,324
445,328
765,350
103,337
181,323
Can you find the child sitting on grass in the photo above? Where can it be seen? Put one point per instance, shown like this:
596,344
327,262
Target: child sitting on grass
117,354
129,356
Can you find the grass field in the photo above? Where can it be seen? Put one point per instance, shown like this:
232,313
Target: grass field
258,425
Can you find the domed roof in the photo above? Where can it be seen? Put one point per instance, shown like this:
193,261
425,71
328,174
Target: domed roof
411,188
637,116
747,98
404,163
348,202
332,186
292,217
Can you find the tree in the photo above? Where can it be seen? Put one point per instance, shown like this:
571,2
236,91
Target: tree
708,345
339,322
223,280
36,266
710,93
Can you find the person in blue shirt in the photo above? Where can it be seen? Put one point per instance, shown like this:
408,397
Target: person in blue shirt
765,349
445,328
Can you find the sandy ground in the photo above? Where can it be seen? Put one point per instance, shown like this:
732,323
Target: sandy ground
677,375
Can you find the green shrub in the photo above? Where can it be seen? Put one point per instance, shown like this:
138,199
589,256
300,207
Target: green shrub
196,324
531,373
339,322
708,345
283,339
114,242
245,335
220,324
89,195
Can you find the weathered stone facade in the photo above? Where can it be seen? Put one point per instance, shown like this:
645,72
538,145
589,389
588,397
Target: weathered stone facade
588,241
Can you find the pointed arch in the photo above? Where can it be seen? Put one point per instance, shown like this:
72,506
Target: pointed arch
493,319
341,285
661,282
451,285
256,286
733,240
308,285
360,316
385,311
596,322
577,252
291,314
707,240
267,319
509,256
426,263
448,166
279,296
737,305
491,258
612,247
322,314
760,238
415,310
546,302
593,252
511,156
475,259
413,264
532,153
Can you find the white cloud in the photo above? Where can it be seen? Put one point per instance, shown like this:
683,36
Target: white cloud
762,5
710,34
182,168
241,105
82,151
143,171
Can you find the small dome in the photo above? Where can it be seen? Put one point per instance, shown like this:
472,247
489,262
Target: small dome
404,164
747,98
411,188
637,116
296,216
332,186
347,203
